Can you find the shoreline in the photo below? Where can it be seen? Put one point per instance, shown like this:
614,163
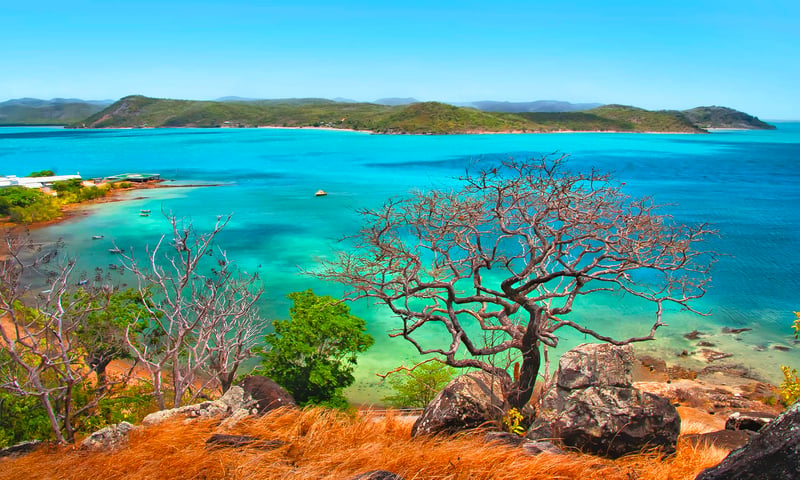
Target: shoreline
72,210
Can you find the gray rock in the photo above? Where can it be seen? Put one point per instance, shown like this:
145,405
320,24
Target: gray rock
267,394
594,408
772,453
753,421
535,447
237,441
504,438
108,438
233,400
468,401
20,449
378,475
578,368
724,439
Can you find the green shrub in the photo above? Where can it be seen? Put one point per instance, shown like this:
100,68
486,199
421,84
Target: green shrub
418,386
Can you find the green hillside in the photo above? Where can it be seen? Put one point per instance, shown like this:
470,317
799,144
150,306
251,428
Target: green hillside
723,117
29,111
416,118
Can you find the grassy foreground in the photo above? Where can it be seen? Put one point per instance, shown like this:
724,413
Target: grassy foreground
326,444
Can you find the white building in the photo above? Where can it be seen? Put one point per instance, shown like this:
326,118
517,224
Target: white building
34,182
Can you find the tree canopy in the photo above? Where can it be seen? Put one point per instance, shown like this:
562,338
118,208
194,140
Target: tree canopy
508,254
313,354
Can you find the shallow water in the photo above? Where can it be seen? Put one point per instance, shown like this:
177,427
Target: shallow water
745,183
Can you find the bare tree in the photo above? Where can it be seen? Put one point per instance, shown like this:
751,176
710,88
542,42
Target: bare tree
204,321
43,351
510,253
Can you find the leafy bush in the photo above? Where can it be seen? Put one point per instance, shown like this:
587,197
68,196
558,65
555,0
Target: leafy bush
22,419
42,173
11,197
417,387
43,209
790,387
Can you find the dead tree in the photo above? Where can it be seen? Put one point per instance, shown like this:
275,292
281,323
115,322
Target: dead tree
510,253
43,355
203,318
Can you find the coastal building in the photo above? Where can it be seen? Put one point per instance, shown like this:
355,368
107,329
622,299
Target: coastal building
35,182
133,177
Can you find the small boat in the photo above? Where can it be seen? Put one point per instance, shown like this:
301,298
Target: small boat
97,237
114,250
320,193
143,214
83,282
112,266
145,211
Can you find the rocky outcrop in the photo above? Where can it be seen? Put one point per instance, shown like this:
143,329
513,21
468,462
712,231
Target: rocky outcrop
468,401
22,448
232,401
772,453
108,438
266,394
594,407
753,421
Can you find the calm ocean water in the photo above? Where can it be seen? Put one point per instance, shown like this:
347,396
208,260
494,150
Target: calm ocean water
745,183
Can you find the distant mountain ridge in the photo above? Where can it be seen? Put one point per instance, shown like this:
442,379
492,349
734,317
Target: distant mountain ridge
724,117
56,111
548,106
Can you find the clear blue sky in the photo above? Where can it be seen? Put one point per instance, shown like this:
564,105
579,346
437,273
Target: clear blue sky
677,54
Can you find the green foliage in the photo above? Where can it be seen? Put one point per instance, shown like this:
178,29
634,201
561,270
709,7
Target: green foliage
417,387
43,209
313,354
45,112
796,325
130,404
722,117
16,196
513,422
22,419
42,173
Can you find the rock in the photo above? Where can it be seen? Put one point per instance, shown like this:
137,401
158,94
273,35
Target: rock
703,343
772,453
693,335
233,400
20,449
224,440
676,372
713,355
578,368
108,438
378,475
504,438
781,348
535,447
468,401
604,414
267,394
752,421
724,439
735,331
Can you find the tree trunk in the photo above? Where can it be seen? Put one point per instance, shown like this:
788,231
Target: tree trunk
531,361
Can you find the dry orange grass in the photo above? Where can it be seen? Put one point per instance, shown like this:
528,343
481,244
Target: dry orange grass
331,445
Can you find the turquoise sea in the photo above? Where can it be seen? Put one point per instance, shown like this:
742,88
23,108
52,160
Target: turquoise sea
745,183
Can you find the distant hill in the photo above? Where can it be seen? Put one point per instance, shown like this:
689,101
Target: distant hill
537,106
724,117
417,118
393,101
57,111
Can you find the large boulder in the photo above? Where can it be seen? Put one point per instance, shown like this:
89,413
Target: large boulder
467,402
772,453
594,407
266,394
